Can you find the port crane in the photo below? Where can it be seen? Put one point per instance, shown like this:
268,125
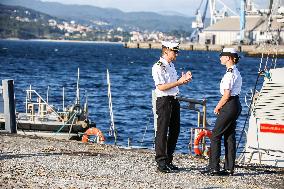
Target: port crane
198,24
215,15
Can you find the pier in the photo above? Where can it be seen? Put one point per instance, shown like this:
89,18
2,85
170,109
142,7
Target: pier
248,50
34,162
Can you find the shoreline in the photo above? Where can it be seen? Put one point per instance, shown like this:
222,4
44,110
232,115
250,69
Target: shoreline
248,50
34,162
61,41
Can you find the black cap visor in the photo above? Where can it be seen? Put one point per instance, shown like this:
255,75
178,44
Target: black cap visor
176,49
228,54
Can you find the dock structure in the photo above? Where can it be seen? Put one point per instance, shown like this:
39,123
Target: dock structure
7,107
248,50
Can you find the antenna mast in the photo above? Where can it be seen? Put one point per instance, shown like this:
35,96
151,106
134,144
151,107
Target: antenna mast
78,90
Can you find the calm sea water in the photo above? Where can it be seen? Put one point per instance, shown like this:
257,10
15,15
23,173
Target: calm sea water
53,64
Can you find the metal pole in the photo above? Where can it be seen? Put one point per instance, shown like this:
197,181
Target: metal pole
47,93
9,106
78,89
112,129
63,96
242,21
204,113
204,123
154,99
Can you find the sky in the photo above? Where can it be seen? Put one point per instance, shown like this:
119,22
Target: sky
186,7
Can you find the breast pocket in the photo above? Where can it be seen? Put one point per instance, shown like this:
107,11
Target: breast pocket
167,77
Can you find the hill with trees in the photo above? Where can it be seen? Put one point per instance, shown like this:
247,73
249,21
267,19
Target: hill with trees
20,22
109,17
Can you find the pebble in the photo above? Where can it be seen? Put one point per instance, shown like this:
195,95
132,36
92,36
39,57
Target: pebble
34,162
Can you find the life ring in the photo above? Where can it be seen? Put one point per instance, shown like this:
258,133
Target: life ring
197,141
93,135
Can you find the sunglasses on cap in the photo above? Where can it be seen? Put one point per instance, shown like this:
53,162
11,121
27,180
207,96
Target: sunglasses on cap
176,51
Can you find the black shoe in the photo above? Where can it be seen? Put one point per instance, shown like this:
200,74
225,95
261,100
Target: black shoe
211,172
164,169
172,167
221,173
215,173
226,172
206,170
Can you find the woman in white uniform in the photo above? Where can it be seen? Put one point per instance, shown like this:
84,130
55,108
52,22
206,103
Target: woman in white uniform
227,110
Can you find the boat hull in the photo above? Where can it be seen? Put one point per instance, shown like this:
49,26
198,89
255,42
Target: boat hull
265,136
50,127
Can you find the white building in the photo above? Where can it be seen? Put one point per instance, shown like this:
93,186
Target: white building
227,31
52,22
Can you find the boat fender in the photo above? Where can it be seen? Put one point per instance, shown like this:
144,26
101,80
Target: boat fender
198,139
93,135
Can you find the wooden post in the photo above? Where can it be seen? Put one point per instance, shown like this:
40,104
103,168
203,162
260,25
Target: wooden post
240,48
9,106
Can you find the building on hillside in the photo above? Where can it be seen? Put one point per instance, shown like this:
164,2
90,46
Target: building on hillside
227,31
52,22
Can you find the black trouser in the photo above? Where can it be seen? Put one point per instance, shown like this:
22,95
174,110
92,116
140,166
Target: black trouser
225,126
168,128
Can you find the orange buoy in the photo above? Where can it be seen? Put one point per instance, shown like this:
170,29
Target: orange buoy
197,141
93,135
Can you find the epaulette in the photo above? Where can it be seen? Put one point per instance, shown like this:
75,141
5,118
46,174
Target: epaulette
230,70
159,63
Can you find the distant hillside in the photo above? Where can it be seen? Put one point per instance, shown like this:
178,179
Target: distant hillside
105,17
19,22
23,23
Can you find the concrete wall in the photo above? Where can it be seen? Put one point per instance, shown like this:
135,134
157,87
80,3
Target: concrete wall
222,38
250,50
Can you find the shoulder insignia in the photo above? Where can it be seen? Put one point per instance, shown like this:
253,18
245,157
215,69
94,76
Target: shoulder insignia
162,66
230,70
159,63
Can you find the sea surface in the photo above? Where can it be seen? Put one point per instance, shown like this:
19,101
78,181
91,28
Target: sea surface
44,64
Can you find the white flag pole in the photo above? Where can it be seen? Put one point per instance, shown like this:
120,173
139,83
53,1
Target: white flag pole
112,130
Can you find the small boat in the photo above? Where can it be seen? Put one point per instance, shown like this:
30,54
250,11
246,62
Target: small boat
41,119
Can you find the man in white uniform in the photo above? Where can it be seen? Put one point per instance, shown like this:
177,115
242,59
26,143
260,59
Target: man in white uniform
167,106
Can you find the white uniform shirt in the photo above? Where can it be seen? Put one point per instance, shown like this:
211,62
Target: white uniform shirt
164,72
232,80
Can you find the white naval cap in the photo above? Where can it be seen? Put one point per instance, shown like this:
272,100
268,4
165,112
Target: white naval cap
170,45
229,52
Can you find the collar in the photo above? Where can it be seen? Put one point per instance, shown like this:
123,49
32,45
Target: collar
231,68
165,63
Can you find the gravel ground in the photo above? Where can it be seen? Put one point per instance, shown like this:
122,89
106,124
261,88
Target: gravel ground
32,162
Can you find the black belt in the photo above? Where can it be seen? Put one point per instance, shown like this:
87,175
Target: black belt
233,97
169,97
